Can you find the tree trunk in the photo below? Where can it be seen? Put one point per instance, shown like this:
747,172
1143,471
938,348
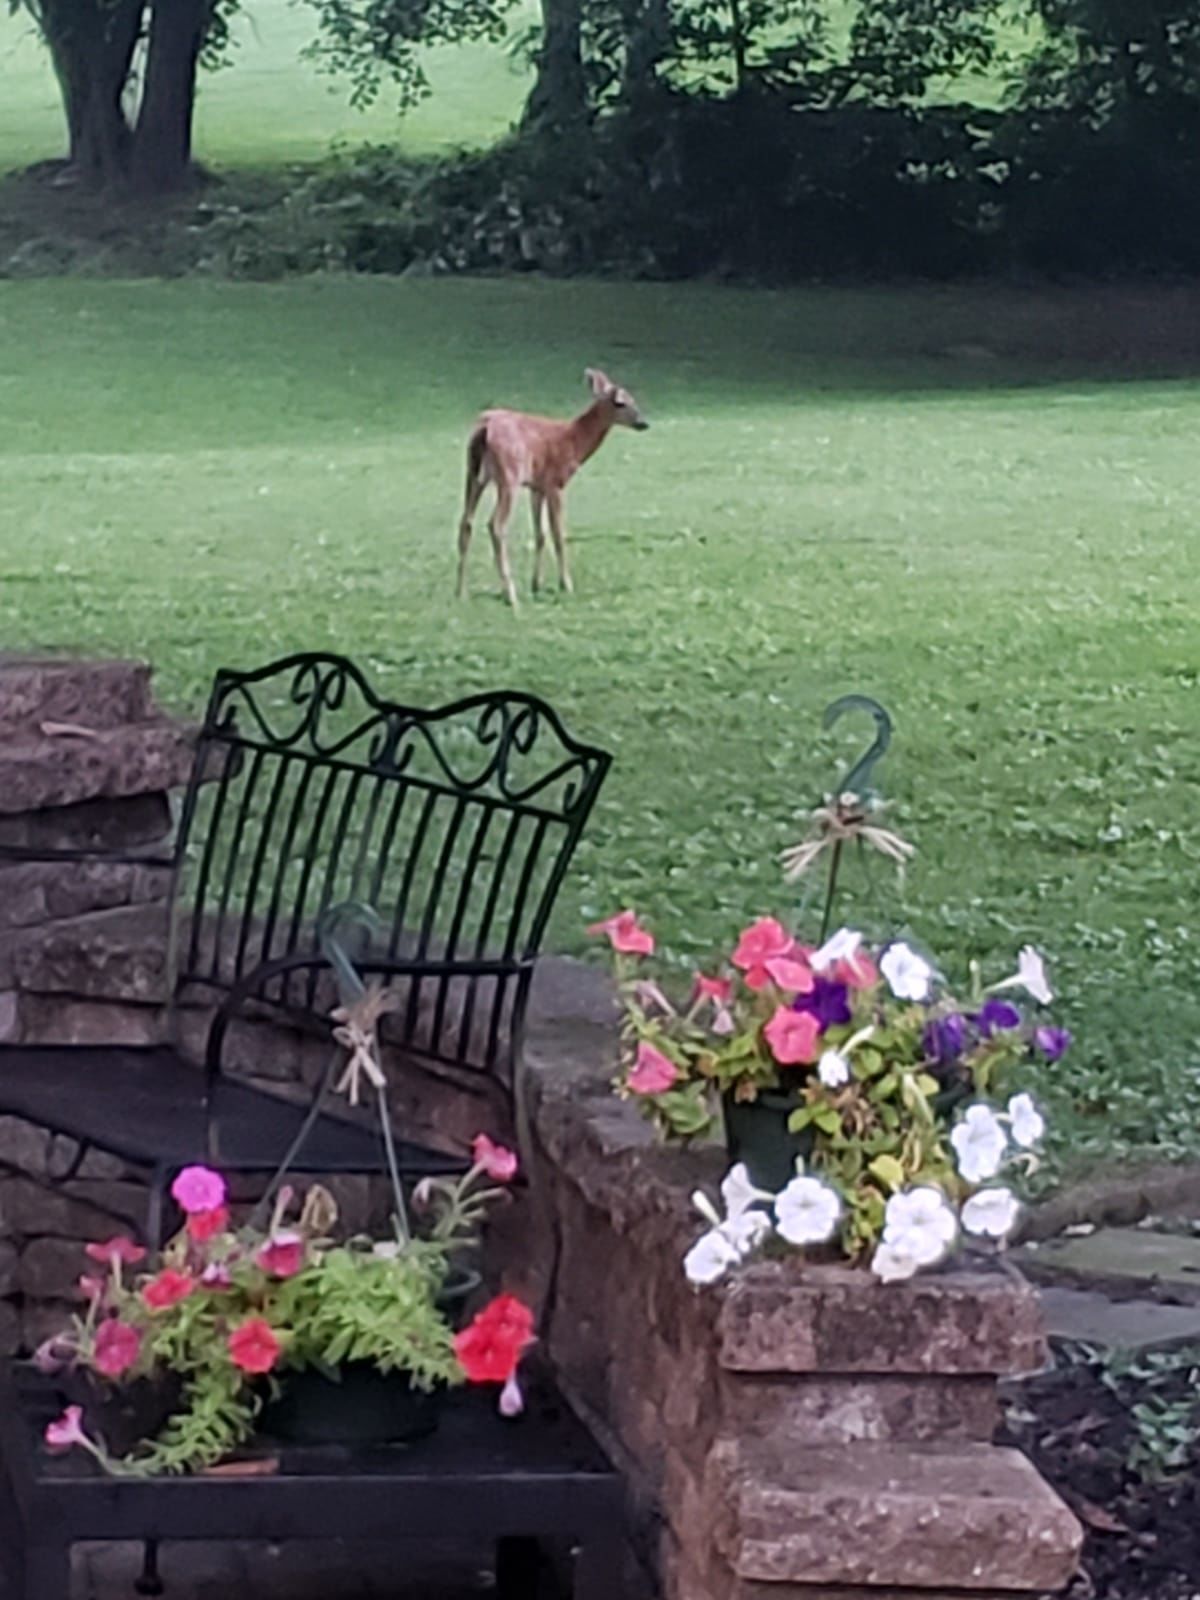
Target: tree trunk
737,39
647,43
559,95
91,46
162,146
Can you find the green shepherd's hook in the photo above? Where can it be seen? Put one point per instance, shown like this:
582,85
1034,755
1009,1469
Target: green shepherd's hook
347,914
858,779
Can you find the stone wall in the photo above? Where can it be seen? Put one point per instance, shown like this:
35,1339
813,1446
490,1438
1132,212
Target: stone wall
797,1433
87,763
791,1435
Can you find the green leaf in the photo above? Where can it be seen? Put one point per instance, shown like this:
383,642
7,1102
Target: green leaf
889,1171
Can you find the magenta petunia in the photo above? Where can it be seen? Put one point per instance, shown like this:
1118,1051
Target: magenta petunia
199,1189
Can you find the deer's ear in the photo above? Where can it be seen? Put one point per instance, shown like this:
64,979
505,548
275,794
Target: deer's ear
597,382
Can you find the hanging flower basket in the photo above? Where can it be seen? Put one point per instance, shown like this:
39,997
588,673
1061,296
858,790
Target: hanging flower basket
357,1403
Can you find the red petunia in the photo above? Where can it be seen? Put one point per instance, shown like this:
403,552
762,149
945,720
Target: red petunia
205,1225
254,1346
168,1289
490,1349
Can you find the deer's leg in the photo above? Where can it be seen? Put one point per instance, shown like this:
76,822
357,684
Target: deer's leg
470,506
499,528
558,531
538,501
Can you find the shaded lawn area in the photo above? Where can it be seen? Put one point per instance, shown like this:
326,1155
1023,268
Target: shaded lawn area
841,491
270,106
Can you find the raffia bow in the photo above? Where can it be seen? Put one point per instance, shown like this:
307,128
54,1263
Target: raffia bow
839,822
357,1032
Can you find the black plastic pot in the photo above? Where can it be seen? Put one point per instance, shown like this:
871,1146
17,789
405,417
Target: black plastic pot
757,1133
358,1404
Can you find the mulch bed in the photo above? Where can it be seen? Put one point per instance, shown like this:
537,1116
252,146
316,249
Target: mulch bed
1121,1444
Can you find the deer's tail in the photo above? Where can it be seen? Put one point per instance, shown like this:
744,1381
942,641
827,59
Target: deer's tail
476,449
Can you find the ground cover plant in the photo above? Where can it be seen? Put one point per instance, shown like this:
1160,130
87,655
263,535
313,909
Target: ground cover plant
1117,1436
971,505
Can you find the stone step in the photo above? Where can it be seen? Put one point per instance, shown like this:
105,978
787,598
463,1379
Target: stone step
774,1318
89,694
1081,1316
971,1518
1123,1263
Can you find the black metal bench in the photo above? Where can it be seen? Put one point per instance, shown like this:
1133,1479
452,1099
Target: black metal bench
528,1490
456,824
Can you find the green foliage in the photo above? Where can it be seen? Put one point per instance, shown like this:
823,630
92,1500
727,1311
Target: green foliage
1165,1424
216,1413
368,40
357,1306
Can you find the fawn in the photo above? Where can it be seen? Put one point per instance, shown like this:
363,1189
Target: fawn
514,450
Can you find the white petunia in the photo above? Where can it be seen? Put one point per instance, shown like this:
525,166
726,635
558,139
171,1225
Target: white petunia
1026,1121
833,1069
893,1263
909,975
731,1239
843,946
1030,976
807,1211
737,1191
710,1258
992,1213
979,1143
921,1224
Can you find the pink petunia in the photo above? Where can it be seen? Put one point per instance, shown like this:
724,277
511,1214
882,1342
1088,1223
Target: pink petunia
52,1355
496,1160
788,973
718,990
116,1349
857,971
199,1189
67,1430
283,1254
763,941
792,1036
653,1072
92,1289
626,934
112,1252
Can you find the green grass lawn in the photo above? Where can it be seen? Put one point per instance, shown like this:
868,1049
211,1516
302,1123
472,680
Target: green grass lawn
1000,548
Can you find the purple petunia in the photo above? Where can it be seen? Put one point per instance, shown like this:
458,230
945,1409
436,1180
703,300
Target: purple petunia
996,1017
828,1001
1053,1042
945,1039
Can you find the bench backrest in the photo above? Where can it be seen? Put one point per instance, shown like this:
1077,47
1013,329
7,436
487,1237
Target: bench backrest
455,824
